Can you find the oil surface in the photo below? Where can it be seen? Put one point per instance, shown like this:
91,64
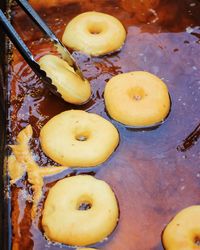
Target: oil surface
153,173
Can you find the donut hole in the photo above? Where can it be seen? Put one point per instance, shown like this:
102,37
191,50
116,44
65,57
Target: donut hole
84,203
95,28
81,138
197,241
82,135
84,206
137,94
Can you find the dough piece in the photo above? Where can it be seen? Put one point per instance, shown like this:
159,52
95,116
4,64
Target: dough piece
64,219
71,87
16,170
22,161
94,33
137,99
76,138
183,232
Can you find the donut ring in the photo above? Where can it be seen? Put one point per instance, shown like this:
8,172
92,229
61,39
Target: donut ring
76,138
71,87
63,219
183,232
137,99
94,33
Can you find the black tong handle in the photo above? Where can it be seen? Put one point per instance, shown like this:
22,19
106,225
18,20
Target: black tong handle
25,52
47,31
23,49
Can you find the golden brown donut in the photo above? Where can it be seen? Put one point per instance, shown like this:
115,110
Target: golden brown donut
71,87
63,219
76,138
183,232
137,98
94,33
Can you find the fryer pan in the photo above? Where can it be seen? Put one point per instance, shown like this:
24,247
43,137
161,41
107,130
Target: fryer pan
156,167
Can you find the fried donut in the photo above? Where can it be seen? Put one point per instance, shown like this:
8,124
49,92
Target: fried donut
137,99
94,33
71,87
80,211
183,232
76,138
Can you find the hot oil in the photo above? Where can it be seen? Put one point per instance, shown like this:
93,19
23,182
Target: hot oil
152,178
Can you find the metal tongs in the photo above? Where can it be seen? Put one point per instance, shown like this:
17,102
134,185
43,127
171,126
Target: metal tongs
25,52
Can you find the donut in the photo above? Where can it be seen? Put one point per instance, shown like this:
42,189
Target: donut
137,99
183,232
76,138
94,33
79,211
71,87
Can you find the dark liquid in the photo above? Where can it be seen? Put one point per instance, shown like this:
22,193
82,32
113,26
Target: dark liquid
153,173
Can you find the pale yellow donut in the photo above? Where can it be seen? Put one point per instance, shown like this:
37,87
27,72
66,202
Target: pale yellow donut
94,33
71,87
183,232
137,98
64,222
76,138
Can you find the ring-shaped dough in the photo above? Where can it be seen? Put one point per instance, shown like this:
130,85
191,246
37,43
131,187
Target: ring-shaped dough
183,232
64,222
71,87
137,99
76,138
94,33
